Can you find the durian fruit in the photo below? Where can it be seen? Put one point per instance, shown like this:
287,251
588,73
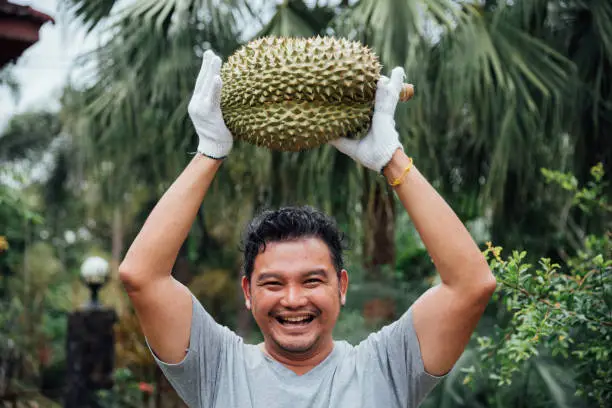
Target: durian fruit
292,94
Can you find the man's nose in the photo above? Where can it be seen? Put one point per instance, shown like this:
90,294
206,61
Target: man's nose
293,297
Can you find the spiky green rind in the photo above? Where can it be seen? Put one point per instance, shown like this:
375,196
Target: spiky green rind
293,94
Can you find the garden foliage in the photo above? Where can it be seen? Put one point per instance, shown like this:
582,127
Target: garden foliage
557,309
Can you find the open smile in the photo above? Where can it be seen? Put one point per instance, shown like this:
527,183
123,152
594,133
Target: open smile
295,320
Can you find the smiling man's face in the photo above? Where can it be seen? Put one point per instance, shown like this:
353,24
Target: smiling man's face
295,297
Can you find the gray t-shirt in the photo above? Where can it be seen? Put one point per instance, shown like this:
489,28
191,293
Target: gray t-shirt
221,371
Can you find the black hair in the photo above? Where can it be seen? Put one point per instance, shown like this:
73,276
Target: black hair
288,224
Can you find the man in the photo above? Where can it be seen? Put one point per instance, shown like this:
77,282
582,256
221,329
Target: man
295,284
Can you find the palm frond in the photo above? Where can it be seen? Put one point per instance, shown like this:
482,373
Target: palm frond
136,111
295,19
557,382
395,28
511,84
91,12
583,33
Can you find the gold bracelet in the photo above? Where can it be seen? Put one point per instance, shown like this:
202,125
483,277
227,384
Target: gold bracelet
401,178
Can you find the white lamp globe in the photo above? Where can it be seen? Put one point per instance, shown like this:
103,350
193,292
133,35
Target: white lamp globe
94,270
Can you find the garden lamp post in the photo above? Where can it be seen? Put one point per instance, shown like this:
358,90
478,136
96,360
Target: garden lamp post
90,346
94,273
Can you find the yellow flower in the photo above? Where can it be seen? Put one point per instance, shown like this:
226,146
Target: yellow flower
4,245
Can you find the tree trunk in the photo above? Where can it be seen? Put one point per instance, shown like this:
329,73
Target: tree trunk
379,227
117,248
263,199
378,244
117,242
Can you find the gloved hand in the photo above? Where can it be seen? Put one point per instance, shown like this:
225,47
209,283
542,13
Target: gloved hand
374,151
205,110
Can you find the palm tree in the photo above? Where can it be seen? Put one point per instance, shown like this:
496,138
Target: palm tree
496,85
492,79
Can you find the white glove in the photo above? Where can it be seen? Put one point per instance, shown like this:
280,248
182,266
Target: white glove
205,110
374,151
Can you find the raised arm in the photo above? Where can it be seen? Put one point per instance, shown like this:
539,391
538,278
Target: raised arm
162,304
446,315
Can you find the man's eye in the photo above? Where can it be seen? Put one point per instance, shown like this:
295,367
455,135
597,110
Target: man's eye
313,281
272,284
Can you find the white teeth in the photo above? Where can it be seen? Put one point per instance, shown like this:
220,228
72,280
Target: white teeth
296,319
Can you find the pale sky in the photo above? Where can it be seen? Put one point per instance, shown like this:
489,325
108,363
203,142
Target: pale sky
44,68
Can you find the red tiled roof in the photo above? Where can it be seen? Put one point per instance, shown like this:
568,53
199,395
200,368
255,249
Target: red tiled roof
23,12
19,26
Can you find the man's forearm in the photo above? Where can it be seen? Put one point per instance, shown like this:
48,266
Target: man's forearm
455,254
156,247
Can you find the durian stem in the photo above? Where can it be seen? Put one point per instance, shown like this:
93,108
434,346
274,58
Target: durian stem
407,92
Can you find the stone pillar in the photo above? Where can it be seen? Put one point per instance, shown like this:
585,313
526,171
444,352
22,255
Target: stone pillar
90,354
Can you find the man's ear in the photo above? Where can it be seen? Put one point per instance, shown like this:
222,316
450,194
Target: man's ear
246,290
344,281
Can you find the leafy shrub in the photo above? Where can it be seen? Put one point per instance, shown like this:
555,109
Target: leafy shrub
562,310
